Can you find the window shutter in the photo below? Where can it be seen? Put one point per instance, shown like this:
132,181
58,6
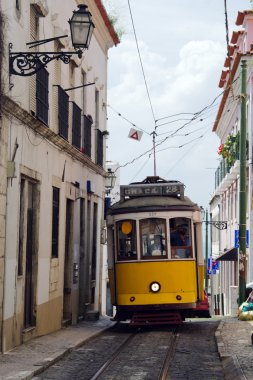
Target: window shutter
100,142
42,95
63,113
34,34
76,126
87,135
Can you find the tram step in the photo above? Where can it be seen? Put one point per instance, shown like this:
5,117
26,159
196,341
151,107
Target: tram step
141,319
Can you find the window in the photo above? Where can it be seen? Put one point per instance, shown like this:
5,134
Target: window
42,95
126,237
76,126
55,221
153,238
63,112
180,238
100,151
87,134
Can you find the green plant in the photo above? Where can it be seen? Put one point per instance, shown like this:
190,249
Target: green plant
227,150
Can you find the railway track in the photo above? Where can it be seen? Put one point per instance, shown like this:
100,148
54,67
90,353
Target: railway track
131,344
187,351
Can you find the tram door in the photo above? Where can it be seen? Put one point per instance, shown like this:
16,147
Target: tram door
67,310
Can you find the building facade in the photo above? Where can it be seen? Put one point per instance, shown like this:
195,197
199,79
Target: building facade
224,204
52,171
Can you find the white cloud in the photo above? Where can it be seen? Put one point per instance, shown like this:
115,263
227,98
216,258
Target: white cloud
182,58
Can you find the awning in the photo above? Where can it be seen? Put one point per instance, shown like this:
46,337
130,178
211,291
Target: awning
229,255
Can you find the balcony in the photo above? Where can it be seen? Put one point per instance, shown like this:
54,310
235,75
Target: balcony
228,169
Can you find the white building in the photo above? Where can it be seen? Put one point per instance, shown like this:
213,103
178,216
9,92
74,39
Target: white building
224,204
53,151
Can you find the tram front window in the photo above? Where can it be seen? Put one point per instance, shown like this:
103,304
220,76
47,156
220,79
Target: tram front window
126,236
180,238
153,238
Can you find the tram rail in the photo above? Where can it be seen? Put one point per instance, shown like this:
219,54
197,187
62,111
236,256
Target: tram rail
113,357
169,355
165,364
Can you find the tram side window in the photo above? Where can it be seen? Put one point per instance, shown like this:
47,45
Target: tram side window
153,238
180,238
126,236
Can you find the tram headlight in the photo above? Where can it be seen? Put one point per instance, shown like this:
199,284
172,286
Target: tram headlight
154,287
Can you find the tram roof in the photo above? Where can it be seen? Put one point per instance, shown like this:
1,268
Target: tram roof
152,203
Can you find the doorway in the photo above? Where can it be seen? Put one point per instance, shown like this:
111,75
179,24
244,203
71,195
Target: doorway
67,310
28,247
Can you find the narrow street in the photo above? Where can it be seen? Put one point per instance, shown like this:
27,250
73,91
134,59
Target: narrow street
185,352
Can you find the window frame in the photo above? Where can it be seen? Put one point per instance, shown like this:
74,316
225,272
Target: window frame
150,257
118,258
183,247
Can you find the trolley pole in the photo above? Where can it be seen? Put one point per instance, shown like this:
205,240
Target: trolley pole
206,255
242,194
154,135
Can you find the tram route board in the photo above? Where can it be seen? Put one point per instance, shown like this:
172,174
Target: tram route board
173,189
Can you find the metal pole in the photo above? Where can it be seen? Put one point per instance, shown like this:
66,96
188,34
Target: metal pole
211,265
154,134
242,194
206,264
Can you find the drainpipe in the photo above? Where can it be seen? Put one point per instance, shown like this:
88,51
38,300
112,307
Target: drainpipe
242,194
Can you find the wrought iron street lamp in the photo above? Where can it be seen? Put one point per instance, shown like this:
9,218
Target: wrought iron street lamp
110,180
81,28
29,63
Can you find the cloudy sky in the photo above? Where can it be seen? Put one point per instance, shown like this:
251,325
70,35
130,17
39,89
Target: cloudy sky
182,45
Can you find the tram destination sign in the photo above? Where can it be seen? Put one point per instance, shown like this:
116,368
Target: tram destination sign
174,190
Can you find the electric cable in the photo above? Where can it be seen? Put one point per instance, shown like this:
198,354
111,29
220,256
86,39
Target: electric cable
142,68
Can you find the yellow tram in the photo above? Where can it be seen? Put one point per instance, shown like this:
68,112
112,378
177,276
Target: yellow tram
155,260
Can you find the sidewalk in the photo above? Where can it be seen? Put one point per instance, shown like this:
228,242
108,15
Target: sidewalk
235,348
31,358
22,363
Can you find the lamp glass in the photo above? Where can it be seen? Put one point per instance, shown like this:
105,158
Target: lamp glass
81,27
110,180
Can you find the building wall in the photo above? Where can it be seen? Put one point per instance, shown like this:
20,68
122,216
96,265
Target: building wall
228,189
3,183
63,287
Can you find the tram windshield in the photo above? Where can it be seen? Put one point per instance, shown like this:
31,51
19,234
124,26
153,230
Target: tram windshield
153,238
126,237
180,238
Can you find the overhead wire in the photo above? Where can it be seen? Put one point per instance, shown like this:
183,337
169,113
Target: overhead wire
127,120
181,127
182,157
142,68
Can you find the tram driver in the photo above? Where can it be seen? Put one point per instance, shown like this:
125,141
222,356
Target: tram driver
180,242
